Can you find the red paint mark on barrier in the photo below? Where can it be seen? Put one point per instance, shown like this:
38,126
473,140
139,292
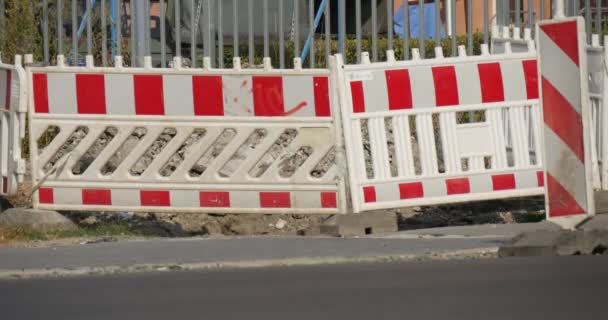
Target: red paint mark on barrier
91,93
41,93
561,203
503,182
329,200
7,99
214,199
322,102
151,198
540,178
458,186
268,96
490,77
565,36
149,97
563,119
369,194
208,95
46,195
4,185
97,197
356,88
296,109
531,75
446,86
411,190
399,89
275,200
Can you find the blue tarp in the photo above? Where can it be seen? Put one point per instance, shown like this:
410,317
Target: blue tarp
429,21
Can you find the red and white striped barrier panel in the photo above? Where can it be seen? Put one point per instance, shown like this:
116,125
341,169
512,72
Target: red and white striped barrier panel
505,42
13,107
441,130
567,116
189,95
185,140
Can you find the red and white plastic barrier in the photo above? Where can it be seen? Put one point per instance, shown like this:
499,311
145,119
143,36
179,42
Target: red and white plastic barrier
441,130
567,120
13,108
200,140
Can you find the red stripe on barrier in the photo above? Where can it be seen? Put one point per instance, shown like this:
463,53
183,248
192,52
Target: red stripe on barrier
399,89
540,178
97,197
561,117
329,200
208,95
91,93
214,199
411,190
565,36
531,75
151,198
41,93
149,98
458,186
446,86
490,77
561,203
4,185
268,96
369,194
275,199
322,104
356,88
7,99
46,195
503,182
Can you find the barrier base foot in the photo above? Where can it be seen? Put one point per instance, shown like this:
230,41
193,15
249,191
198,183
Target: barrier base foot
601,202
360,224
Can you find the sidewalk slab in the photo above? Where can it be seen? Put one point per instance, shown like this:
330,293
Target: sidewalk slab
475,231
252,251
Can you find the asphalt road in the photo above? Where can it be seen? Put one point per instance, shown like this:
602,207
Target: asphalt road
530,288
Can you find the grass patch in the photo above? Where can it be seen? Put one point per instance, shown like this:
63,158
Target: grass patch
101,230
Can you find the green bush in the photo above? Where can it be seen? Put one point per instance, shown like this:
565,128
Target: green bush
351,50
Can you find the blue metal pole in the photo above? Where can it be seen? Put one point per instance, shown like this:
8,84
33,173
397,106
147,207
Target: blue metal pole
83,23
341,32
115,25
310,36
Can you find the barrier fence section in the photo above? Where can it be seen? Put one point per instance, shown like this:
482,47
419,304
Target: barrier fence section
567,119
507,42
436,131
185,140
13,108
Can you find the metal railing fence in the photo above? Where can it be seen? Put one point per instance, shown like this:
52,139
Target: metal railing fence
281,29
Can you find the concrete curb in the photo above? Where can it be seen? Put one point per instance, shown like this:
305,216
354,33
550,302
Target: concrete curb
480,253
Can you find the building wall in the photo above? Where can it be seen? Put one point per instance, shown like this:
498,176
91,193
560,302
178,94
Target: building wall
478,19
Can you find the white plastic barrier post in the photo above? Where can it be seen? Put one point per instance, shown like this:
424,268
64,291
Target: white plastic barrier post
411,141
503,42
13,108
567,120
185,140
